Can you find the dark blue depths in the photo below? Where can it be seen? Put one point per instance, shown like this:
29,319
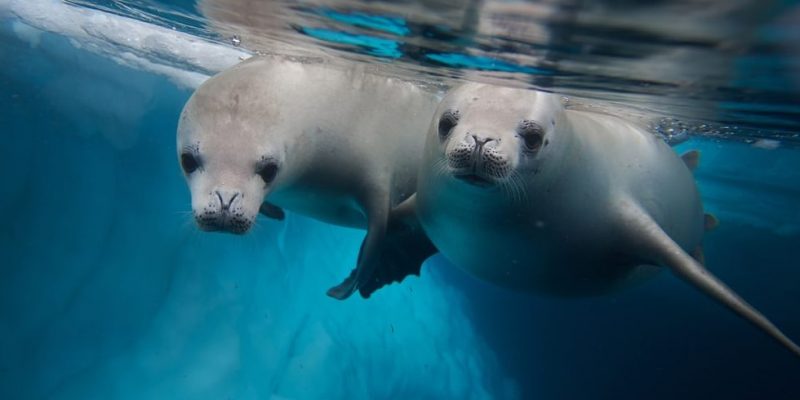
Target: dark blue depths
108,291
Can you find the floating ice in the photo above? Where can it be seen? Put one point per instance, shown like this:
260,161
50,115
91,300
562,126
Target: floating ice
185,59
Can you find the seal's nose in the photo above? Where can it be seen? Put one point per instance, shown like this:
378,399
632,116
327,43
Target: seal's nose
226,198
481,140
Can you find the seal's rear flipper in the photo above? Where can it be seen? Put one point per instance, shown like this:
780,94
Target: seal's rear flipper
271,211
652,242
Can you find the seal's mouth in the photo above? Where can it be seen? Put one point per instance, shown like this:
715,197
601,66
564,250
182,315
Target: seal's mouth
223,222
474,179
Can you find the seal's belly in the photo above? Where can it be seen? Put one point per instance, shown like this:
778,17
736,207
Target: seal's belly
342,214
529,257
333,208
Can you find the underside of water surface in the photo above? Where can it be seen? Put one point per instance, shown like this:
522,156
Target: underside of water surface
108,290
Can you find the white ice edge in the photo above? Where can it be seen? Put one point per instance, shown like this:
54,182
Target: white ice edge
185,59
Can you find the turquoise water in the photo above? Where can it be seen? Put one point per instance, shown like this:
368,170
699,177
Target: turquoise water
107,289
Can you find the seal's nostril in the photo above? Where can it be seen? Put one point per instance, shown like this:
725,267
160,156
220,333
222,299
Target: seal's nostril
481,140
226,205
230,202
480,143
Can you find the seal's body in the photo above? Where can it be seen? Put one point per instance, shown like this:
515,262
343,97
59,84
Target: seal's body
519,191
556,232
337,144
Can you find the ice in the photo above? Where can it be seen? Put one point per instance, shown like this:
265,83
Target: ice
185,59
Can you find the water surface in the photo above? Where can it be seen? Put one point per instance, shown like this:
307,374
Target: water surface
107,290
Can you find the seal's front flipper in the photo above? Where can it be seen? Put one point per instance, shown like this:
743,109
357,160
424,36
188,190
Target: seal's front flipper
692,159
369,254
653,243
699,255
402,252
407,211
346,288
272,211
398,253
710,222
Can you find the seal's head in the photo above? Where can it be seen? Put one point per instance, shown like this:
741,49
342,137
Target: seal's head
487,135
226,152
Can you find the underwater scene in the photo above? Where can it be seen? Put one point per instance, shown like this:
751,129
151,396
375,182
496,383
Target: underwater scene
418,199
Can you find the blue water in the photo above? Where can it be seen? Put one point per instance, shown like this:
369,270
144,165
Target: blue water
107,290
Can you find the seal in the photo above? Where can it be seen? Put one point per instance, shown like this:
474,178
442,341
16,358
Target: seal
518,191
334,143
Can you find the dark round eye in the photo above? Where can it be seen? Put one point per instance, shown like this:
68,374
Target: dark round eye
189,162
267,170
532,134
447,122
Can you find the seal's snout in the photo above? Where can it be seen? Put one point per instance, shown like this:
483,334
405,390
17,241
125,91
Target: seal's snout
477,160
224,213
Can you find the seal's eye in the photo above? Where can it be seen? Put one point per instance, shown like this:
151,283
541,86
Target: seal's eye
189,162
267,170
531,134
447,122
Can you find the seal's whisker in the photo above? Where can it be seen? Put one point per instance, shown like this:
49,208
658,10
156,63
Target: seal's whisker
517,189
508,189
191,233
252,239
523,191
512,182
257,225
188,220
440,167
515,180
